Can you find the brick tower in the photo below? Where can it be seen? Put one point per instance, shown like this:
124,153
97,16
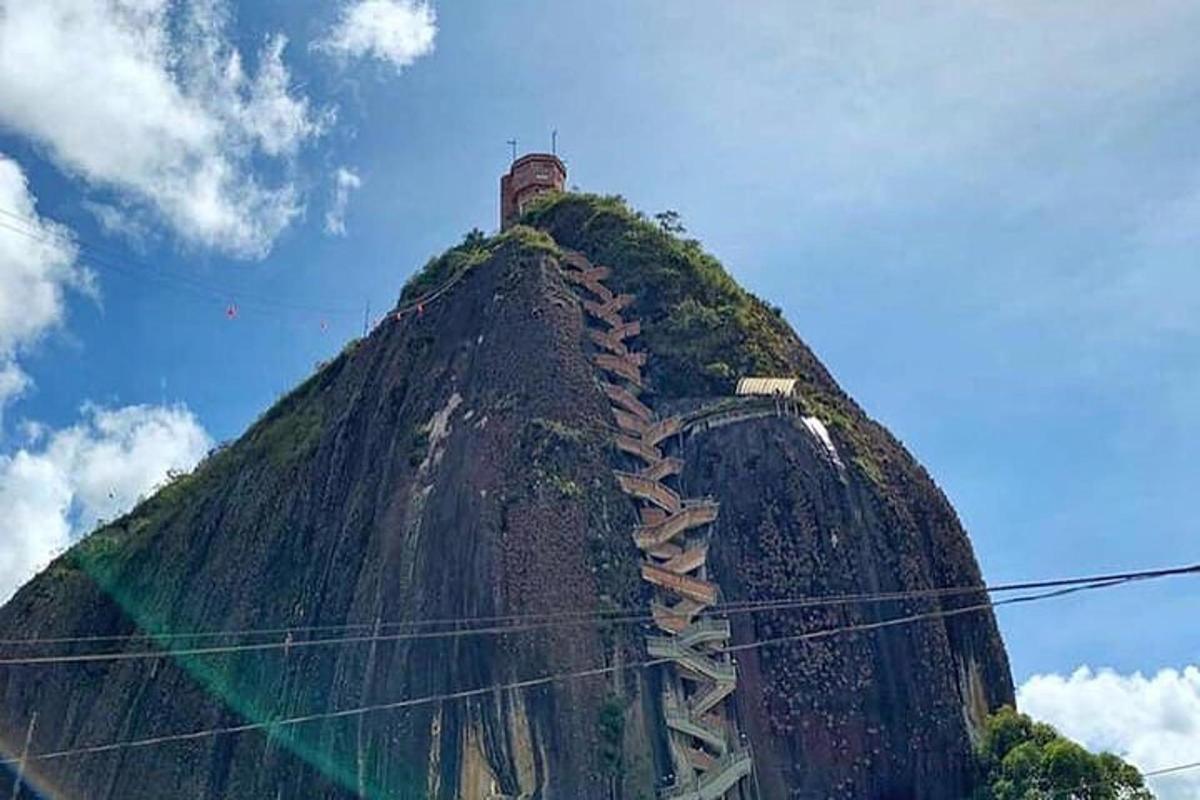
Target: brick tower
529,176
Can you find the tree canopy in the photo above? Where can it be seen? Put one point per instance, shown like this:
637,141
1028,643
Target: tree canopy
1026,760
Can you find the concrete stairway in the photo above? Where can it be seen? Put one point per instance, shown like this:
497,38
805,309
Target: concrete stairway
690,516
673,538
691,659
716,781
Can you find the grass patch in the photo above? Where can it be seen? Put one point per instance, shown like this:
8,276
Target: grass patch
703,329
290,437
473,250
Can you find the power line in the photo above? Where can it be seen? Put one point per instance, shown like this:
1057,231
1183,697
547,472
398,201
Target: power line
154,276
35,228
514,623
95,256
608,616
288,644
1156,773
102,257
543,680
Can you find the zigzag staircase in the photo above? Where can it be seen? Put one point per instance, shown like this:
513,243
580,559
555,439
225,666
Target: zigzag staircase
708,761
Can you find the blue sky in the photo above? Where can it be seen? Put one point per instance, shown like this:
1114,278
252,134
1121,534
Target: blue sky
983,217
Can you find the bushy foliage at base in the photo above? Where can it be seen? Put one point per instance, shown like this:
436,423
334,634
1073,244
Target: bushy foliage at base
1026,760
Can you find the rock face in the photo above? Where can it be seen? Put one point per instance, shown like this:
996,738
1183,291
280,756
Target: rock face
458,463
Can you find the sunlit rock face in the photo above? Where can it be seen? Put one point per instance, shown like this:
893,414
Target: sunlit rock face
458,463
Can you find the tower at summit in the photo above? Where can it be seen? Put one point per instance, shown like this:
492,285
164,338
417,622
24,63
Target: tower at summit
530,175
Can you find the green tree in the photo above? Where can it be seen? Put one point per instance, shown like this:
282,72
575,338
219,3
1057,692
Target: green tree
474,239
1025,760
670,222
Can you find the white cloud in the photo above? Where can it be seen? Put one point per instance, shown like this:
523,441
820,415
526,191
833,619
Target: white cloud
344,182
13,383
1152,722
60,484
125,223
396,31
148,99
37,266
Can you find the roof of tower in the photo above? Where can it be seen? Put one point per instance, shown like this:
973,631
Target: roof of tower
539,157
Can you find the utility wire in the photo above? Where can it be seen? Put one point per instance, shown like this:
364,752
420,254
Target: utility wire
1154,773
287,645
544,680
35,228
101,255
337,641
95,255
153,276
515,623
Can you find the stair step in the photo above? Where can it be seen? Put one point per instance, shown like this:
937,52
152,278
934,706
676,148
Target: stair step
693,515
662,469
610,310
662,429
630,423
705,631
682,585
621,366
708,731
626,400
715,782
688,560
627,329
652,515
697,662
636,447
676,618
666,551
650,491
711,696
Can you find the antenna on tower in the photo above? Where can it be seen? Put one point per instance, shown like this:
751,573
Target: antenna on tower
554,141
513,144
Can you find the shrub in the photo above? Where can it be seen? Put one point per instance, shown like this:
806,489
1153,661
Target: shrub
1025,760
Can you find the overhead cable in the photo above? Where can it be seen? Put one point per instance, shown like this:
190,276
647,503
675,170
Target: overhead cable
517,623
543,680
108,259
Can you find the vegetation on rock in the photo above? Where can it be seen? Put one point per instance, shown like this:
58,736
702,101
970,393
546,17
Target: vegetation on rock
703,329
475,249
